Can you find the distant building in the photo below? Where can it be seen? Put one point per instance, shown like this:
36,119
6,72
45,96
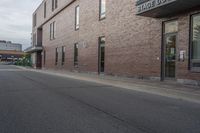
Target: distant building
8,45
10,56
10,52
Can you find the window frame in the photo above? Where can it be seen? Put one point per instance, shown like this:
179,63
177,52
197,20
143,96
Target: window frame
56,4
77,15
52,5
191,60
63,54
102,16
52,30
35,20
44,57
34,39
56,56
76,53
45,9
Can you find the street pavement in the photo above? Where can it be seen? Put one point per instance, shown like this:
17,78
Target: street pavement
33,102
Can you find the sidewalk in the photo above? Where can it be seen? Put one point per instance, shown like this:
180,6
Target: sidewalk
167,89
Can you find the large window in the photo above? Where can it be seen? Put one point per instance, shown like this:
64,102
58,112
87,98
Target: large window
77,17
63,55
195,43
76,55
102,10
52,31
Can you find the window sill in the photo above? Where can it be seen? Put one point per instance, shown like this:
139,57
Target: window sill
52,39
76,29
102,18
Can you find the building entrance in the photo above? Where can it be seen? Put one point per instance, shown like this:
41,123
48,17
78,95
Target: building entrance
169,50
170,56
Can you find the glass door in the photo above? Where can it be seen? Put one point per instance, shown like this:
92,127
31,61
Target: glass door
169,49
170,56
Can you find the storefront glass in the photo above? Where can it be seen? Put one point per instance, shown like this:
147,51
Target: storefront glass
196,37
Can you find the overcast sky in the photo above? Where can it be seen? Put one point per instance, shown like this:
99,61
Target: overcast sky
16,20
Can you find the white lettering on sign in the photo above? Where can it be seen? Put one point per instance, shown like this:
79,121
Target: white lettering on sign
151,4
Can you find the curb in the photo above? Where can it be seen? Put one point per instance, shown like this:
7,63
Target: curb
170,93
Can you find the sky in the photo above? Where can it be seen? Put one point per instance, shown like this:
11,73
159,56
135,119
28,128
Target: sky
16,20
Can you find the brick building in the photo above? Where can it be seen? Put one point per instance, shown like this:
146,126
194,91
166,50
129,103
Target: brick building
153,39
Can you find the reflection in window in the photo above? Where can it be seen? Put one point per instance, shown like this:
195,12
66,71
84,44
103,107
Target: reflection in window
76,55
102,9
77,17
196,37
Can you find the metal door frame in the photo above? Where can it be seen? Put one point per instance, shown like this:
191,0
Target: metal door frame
163,70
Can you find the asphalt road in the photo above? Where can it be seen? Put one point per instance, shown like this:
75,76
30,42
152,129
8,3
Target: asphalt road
31,102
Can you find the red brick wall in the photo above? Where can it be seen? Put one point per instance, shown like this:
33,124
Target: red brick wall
133,43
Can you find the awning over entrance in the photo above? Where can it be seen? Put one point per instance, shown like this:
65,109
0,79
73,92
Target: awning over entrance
162,8
33,49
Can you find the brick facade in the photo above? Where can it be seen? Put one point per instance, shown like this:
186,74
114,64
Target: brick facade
133,43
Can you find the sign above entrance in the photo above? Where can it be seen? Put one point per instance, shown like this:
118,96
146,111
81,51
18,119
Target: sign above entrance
164,8
146,5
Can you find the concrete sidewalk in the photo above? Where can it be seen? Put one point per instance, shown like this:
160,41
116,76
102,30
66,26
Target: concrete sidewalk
167,89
